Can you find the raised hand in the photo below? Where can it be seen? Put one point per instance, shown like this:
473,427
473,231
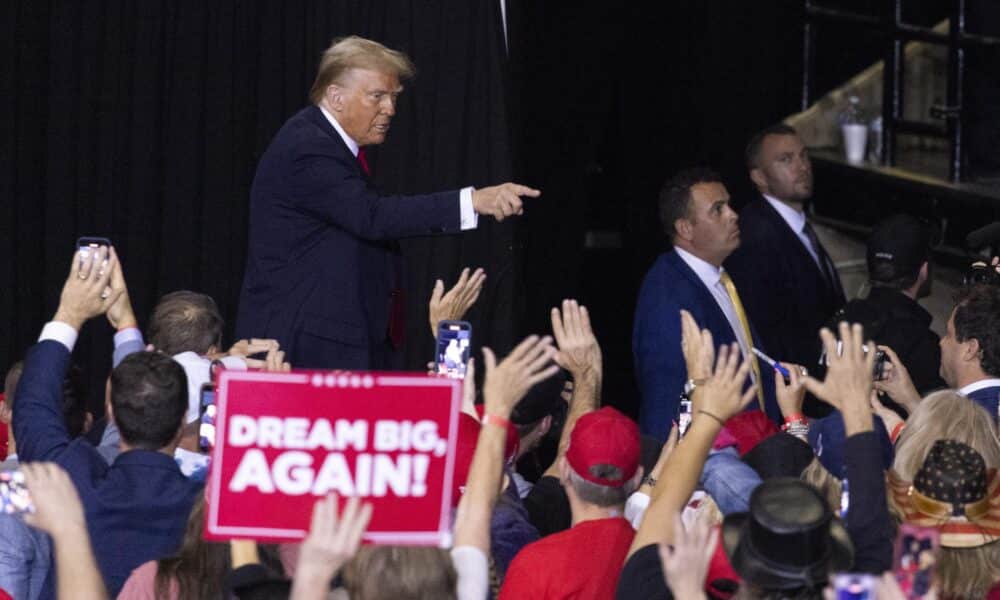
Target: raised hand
790,395
579,353
848,382
453,304
58,510
502,201
896,381
506,383
685,562
85,293
275,361
120,313
697,346
721,396
331,542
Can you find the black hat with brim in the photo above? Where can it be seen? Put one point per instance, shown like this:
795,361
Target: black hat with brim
788,540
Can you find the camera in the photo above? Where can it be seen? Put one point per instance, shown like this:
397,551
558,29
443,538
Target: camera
980,272
878,370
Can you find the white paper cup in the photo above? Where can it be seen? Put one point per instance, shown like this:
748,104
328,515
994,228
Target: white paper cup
855,140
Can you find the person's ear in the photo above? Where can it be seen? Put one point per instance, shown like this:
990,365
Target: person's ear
6,414
563,470
335,97
545,426
971,350
684,229
758,179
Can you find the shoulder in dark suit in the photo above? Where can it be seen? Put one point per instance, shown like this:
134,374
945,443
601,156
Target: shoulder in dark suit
781,286
669,286
320,256
988,398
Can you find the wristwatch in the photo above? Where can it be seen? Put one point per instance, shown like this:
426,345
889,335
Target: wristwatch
691,384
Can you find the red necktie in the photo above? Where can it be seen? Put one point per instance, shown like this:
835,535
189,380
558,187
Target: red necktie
397,300
363,160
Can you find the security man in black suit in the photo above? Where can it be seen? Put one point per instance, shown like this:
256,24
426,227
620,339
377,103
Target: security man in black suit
788,283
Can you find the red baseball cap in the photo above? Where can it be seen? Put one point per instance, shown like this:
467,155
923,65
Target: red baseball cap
465,449
604,437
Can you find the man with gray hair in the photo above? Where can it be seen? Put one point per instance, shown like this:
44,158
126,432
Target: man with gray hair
599,472
323,265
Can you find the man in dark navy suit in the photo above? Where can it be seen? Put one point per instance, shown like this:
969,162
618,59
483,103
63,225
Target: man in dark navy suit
137,507
322,274
696,216
970,353
970,349
786,278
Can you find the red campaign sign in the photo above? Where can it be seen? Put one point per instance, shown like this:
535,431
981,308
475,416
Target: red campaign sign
284,440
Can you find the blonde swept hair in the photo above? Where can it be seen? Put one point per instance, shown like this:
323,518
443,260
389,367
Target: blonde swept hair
962,573
356,52
945,415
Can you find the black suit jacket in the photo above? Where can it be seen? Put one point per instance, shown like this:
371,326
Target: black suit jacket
781,286
320,258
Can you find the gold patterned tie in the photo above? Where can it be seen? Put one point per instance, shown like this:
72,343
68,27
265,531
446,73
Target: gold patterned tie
735,297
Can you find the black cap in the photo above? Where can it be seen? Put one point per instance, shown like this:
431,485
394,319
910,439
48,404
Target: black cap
897,247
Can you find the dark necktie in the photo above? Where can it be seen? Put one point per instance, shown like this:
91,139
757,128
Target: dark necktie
826,265
396,330
363,161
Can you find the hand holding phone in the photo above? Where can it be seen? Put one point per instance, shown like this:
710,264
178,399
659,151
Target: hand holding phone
14,496
916,559
454,345
206,426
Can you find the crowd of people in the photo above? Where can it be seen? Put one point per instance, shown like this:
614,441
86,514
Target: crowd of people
865,457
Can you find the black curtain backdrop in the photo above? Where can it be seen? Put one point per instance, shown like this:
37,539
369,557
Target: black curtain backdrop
144,121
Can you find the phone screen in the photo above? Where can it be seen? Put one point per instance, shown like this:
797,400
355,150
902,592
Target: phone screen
14,496
453,347
854,586
916,559
206,427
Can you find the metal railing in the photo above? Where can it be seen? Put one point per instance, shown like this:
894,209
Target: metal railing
896,33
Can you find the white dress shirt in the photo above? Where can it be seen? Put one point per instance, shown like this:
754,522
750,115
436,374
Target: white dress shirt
797,222
468,217
711,276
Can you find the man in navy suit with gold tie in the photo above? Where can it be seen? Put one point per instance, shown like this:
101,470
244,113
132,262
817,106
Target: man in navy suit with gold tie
322,274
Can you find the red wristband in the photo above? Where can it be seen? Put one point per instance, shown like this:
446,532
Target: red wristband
496,420
792,418
896,431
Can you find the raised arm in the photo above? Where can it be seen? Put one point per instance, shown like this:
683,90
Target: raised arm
38,421
503,387
715,399
580,354
453,304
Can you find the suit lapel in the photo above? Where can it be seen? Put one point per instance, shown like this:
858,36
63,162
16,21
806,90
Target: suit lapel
316,116
791,239
705,297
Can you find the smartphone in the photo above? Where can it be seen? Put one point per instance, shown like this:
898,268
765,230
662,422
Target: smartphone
916,559
683,417
14,496
86,245
855,586
878,369
206,421
454,344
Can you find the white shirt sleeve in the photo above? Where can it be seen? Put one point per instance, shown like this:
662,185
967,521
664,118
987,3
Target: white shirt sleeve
60,332
234,363
473,571
635,508
469,218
